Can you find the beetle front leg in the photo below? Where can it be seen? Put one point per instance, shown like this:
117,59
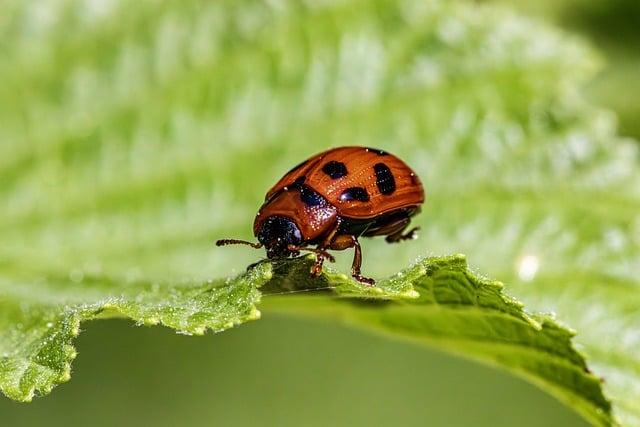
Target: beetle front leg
316,269
321,252
318,251
321,255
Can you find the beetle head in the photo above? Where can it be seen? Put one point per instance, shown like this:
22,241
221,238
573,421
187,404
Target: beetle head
276,234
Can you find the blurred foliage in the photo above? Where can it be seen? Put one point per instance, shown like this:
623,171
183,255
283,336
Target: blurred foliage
133,136
614,27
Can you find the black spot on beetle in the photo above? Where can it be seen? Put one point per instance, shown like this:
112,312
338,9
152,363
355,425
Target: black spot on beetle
311,197
380,152
335,169
384,179
298,182
354,193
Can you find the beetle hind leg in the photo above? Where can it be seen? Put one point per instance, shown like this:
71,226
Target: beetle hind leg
400,236
396,231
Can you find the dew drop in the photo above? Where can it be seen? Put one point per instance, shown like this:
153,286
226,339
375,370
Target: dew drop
527,267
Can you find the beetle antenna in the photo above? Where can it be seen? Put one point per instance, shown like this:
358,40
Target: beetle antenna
225,242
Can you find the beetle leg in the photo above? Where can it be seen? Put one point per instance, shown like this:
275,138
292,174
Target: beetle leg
316,269
357,263
399,235
321,252
394,229
345,241
342,242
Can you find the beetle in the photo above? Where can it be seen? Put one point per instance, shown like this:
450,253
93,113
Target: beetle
333,198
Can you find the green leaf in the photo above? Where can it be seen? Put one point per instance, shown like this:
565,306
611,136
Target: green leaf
39,321
449,307
438,302
133,136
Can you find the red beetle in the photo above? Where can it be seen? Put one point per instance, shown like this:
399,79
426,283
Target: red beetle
332,199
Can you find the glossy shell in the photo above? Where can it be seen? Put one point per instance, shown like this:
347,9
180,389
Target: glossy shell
313,215
362,183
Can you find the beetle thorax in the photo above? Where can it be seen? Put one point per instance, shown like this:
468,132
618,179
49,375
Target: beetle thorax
297,207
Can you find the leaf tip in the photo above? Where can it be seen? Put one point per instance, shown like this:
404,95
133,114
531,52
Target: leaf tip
28,397
151,321
412,294
255,314
70,352
199,330
459,257
500,286
261,273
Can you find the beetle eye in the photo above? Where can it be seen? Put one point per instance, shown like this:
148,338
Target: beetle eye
277,233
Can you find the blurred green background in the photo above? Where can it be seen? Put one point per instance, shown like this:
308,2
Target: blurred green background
261,373
279,371
613,26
